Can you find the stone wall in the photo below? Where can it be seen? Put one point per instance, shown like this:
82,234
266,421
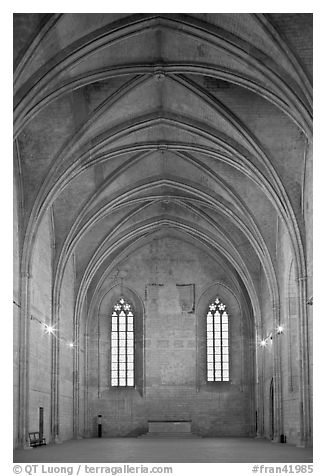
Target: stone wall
40,350
171,351
286,346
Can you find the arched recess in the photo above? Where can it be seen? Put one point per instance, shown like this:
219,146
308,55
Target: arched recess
242,349
240,388
101,397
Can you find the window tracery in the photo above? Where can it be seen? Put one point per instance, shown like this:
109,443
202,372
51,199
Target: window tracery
122,345
217,342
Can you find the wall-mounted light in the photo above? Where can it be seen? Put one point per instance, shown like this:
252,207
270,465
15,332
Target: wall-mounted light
51,330
279,330
310,301
264,342
48,329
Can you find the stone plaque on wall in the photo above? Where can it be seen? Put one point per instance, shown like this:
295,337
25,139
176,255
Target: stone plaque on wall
186,297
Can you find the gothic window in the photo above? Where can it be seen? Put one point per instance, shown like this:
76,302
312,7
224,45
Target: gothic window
217,343
122,345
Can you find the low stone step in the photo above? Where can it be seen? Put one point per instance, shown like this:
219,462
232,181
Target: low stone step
169,426
165,434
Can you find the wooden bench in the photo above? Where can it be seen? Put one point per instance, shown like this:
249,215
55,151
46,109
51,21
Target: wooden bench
35,439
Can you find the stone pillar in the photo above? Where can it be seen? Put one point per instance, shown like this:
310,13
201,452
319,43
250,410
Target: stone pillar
23,420
260,365
75,390
277,378
55,378
305,410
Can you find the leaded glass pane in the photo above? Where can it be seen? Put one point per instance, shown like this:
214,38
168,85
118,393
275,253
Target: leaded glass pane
122,344
217,342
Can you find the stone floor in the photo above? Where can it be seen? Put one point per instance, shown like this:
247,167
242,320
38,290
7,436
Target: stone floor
161,450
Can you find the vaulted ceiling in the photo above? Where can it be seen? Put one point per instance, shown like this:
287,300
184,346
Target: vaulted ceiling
130,126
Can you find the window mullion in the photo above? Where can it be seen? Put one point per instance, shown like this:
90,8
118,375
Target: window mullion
214,356
221,346
118,335
126,342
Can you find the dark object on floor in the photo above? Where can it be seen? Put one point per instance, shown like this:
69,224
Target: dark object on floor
35,439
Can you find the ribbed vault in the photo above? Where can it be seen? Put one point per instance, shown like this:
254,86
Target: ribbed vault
131,127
